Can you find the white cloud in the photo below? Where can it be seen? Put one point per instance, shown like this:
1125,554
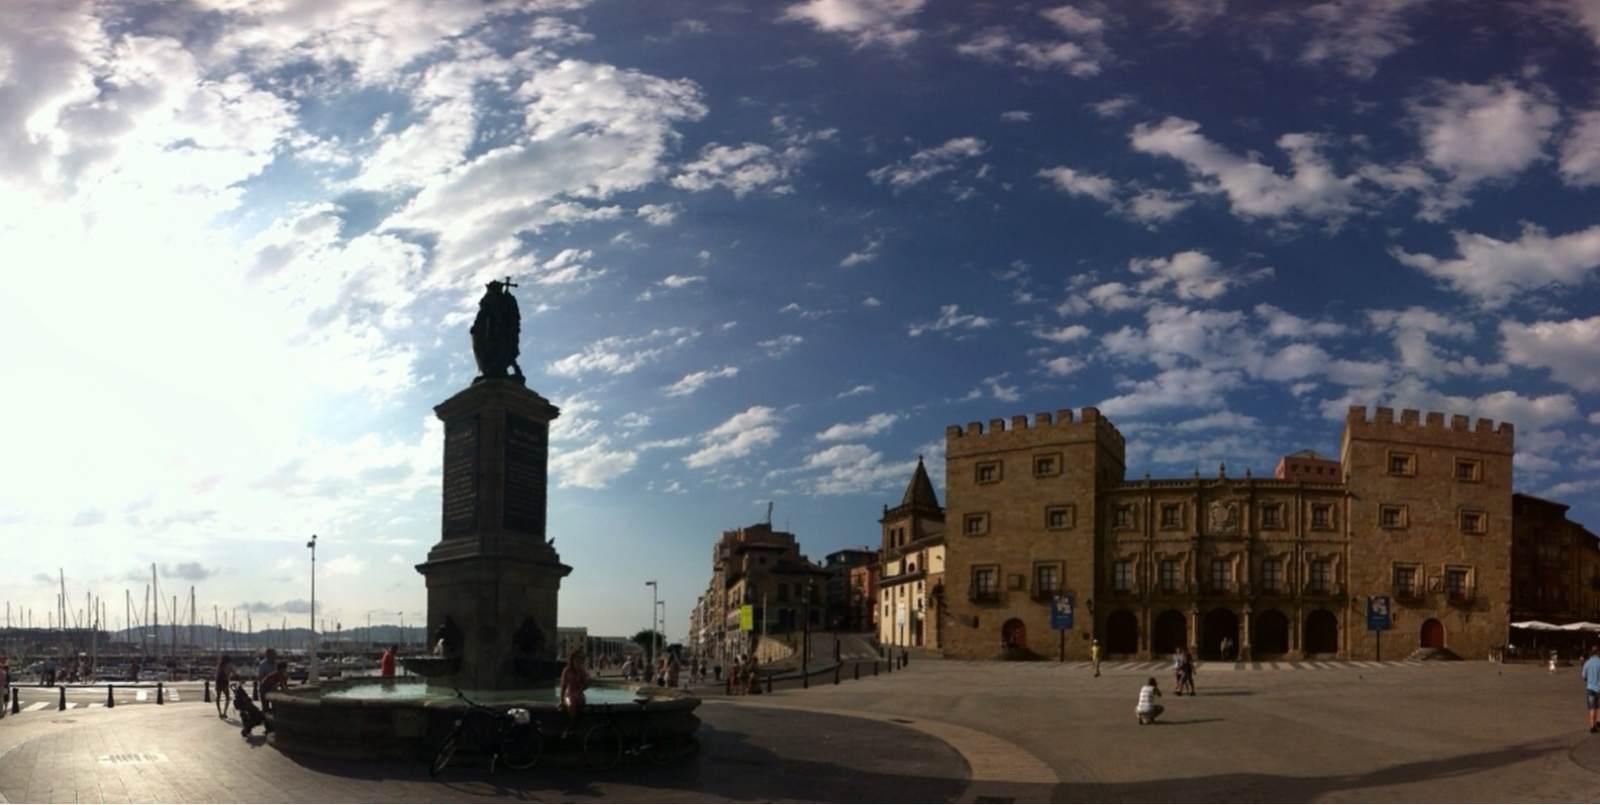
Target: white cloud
1172,388
680,281
1189,15
852,469
1065,179
950,318
929,162
866,22
1569,349
1016,116
1414,330
1220,420
871,426
1113,297
871,301
692,382
1580,151
1154,206
781,345
1479,132
806,313
619,355
1191,275
1063,366
660,214
1001,392
1112,107
593,466
1062,335
1283,324
741,434
866,254
567,267
1253,189
855,392
742,169
1357,34
1493,271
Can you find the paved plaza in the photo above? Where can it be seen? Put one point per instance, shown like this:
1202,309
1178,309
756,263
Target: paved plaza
935,731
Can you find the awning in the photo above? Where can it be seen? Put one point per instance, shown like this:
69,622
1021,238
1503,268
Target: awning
1537,626
1581,626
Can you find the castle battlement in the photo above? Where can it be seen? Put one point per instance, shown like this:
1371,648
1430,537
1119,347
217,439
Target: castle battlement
1416,427
1089,420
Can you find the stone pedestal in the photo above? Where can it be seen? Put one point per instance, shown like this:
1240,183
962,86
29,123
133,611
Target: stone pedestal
493,574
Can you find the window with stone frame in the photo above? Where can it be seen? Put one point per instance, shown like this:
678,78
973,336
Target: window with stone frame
975,525
1322,515
1321,576
1469,470
1402,463
1271,575
1221,575
1170,580
1272,515
1046,580
1458,583
1058,517
1047,465
1171,515
1122,575
988,472
1392,515
986,583
1473,521
1123,516
1406,582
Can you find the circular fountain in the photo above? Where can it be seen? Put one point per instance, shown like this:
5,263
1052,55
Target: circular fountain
492,580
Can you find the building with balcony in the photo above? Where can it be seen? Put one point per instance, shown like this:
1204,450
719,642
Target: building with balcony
1418,509
849,596
1555,564
765,569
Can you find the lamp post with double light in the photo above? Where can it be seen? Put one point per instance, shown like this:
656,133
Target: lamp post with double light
312,669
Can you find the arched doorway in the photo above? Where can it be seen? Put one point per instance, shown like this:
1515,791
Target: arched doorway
1014,634
1432,633
1272,633
1219,623
1122,633
1322,633
1170,634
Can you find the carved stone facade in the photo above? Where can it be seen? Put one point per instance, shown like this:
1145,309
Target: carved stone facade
1282,568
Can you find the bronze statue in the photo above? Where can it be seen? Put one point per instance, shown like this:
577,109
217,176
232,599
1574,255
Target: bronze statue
496,332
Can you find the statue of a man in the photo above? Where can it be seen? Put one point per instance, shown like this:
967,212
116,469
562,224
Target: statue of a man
496,332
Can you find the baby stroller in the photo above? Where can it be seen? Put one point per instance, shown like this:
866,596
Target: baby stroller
250,715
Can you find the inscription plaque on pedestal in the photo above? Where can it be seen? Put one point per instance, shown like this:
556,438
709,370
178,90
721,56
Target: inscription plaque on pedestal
460,477
527,448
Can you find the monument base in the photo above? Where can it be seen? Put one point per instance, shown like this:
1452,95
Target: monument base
506,611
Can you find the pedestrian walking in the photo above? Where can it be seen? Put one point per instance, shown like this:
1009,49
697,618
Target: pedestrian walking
1177,672
5,686
1187,672
1227,646
1591,684
1147,709
386,662
1094,655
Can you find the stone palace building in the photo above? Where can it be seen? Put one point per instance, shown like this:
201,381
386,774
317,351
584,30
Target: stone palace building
1418,509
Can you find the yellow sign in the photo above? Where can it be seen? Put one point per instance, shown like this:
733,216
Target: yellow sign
747,618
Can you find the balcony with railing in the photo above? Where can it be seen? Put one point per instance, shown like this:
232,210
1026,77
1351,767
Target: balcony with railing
978,595
1411,593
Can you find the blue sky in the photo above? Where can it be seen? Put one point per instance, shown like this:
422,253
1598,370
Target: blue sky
767,251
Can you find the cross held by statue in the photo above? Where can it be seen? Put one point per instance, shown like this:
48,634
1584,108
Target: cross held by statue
508,283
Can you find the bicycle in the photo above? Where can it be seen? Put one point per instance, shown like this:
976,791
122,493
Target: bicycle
605,745
507,735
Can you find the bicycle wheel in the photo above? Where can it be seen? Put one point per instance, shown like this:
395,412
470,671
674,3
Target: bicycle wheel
602,746
522,749
445,753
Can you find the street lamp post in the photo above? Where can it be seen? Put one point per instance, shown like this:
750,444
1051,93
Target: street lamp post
655,602
313,672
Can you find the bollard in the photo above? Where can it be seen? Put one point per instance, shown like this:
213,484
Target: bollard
111,699
255,690
159,699
905,658
16,700
769,683
208,692
858,671
730,685
62,705
837,669
805,677
874,667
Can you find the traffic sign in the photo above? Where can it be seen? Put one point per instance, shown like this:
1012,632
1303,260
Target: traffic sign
1378,613
1061,612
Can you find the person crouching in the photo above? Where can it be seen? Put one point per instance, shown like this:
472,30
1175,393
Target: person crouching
1148,710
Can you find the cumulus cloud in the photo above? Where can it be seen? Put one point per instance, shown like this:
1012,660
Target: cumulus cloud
865,22
1494,271
680,281
1416,330
1062,335
1580,151
781,345
742,169
1356,35
1189,274
592,466
1067,180
1254,190
1016,116
660,214
692,382
1194,387
1569,349
1080,55
1284,324
855,391
740,435
950,318
866,254
928,163
1474,133
871,426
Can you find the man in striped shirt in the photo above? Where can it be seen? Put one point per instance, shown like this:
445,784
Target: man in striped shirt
1148,709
